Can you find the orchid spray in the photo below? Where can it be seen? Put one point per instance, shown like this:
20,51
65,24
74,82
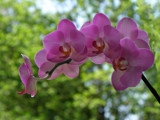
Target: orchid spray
125,47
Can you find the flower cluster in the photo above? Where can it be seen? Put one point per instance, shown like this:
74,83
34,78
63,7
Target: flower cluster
125,47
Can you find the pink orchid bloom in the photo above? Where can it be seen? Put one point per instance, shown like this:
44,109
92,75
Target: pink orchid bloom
44,65
27,78
64,43
130,65
101,39
128,29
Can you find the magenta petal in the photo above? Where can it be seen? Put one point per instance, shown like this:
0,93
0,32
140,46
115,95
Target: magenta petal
31,86
58,71
101,20
91,31
40,57
145,59
143,35
24,73
99,59
78,63
141,44
56,37
71,70
111,36
66,26
117,84
126,27
85,24
47,66
113,53
89,42
55,49
129,49
79,57
33,93
77,41
55,58
131,77
28,64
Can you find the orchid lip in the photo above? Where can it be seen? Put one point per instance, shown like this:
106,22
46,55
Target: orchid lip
120,64
99,45
65,49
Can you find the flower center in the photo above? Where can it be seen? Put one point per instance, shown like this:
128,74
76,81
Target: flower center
99,45
121,64
65,49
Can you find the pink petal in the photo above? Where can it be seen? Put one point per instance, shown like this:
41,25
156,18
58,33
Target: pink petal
129,49
99,59
117,84
56,37
56,58
113,53
131,77
79,57
101,20
89,42
40,57
111,36
66,26
143,35
31,85
55,49
77,41
141,44
33,93
85,24
47,66
71,70
24,73
78,63
145,59
91,31
127,26
28,63
57,72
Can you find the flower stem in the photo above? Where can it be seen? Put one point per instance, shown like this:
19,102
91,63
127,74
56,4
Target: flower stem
154,92
52,70
58,64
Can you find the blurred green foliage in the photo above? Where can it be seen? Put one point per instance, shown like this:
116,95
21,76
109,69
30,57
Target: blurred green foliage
87,97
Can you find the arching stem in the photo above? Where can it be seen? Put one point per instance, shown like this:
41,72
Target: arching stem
154,92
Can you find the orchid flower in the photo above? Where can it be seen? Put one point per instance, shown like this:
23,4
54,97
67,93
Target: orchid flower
130,65
44,65
27,78
64,43
101,39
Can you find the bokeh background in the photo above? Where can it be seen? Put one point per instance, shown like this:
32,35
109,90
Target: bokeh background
90,96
